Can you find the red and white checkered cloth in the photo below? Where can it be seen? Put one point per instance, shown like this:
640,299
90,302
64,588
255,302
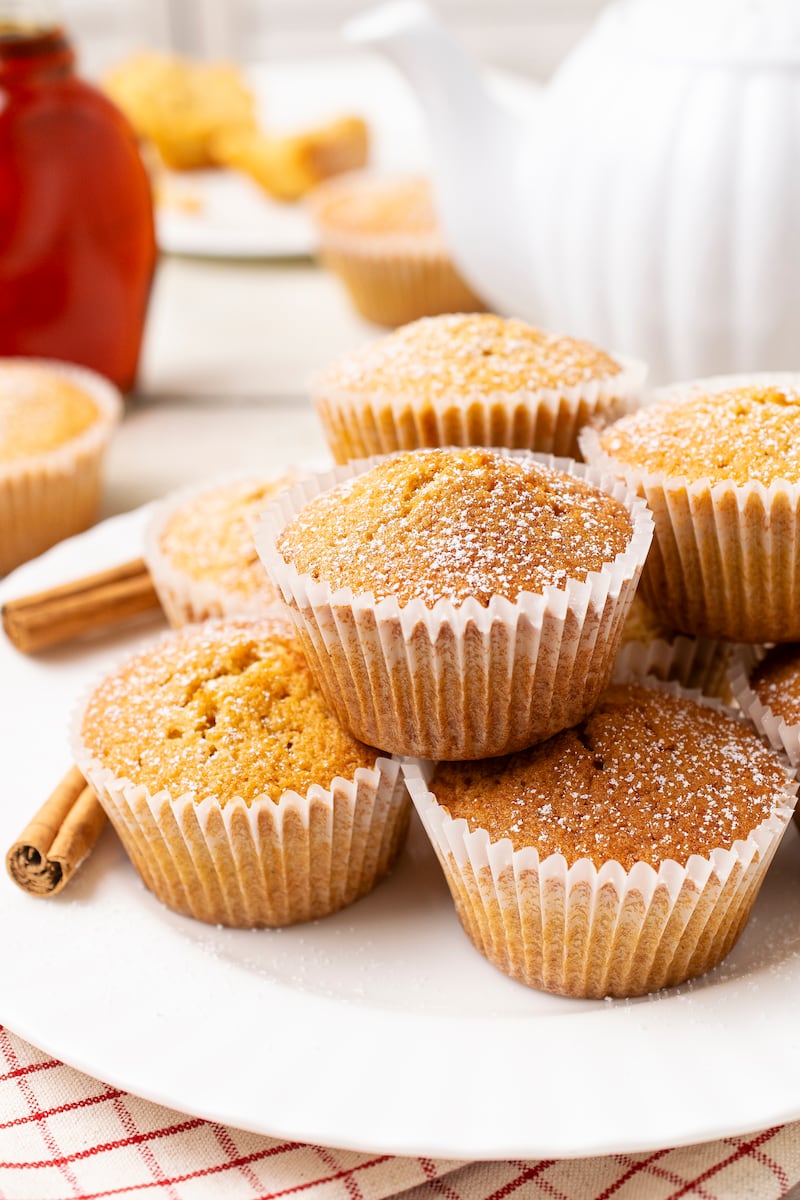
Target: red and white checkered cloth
65,1136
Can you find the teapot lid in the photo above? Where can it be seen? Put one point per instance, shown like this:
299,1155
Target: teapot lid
750,32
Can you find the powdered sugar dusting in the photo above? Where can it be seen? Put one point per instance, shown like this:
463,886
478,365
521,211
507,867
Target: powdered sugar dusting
739,433
646,777
224,709
452,524
454,355
210,537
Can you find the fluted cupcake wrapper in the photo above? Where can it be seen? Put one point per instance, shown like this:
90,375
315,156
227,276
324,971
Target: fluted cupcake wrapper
593,932
392,277
52,495
393,286
781,735
546,420
267,863
725,561
458,681
184,598
700,663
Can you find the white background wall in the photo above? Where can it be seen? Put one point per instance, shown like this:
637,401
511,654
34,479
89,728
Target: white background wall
525,35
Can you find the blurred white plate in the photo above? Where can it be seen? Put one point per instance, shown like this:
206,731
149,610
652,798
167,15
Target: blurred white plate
225,214
379,1028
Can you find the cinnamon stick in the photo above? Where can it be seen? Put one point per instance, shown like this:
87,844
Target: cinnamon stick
94,602
53,845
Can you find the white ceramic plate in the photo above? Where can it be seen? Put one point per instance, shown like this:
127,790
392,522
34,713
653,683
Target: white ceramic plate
225,214
380,1028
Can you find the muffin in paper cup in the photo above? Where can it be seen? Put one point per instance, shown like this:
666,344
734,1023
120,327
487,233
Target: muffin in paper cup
56,420
718,461
418,670
578,926
474,380
235,843
766,685
379,235
200,552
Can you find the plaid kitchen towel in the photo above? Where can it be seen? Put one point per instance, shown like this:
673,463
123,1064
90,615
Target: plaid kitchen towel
66,1136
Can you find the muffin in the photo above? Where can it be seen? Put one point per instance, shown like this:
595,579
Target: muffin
200,551
695,662
620,856
457,603
288,165
55,423
380,236
180,106
476,380
719,464
766,685
238,798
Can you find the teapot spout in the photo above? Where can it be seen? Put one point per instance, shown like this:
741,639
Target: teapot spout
476,143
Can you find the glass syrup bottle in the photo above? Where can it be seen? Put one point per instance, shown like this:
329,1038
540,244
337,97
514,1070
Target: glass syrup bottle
77,245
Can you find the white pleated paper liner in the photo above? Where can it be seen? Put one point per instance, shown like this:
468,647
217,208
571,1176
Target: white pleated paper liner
725,561
695,663
188,597
546,420
393,277
781,735
392,287
270,862
578,930
459,681
49,496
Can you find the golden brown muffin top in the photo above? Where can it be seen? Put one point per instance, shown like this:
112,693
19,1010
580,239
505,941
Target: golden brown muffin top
370,205
210,537
646,777
179,104
454,523
776,682
39,411
737,433
224,709
454,356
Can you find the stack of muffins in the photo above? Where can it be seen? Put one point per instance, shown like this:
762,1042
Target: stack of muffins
238,797
457,600
719,463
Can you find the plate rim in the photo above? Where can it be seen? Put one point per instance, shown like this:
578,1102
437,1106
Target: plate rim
412,1048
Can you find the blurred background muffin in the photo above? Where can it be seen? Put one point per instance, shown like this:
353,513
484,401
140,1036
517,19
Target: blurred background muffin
287,166
205,114
380,235
178,105
55,423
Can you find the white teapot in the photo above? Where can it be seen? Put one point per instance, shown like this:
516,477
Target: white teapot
653,203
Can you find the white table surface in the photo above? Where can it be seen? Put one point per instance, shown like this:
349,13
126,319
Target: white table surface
223,381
